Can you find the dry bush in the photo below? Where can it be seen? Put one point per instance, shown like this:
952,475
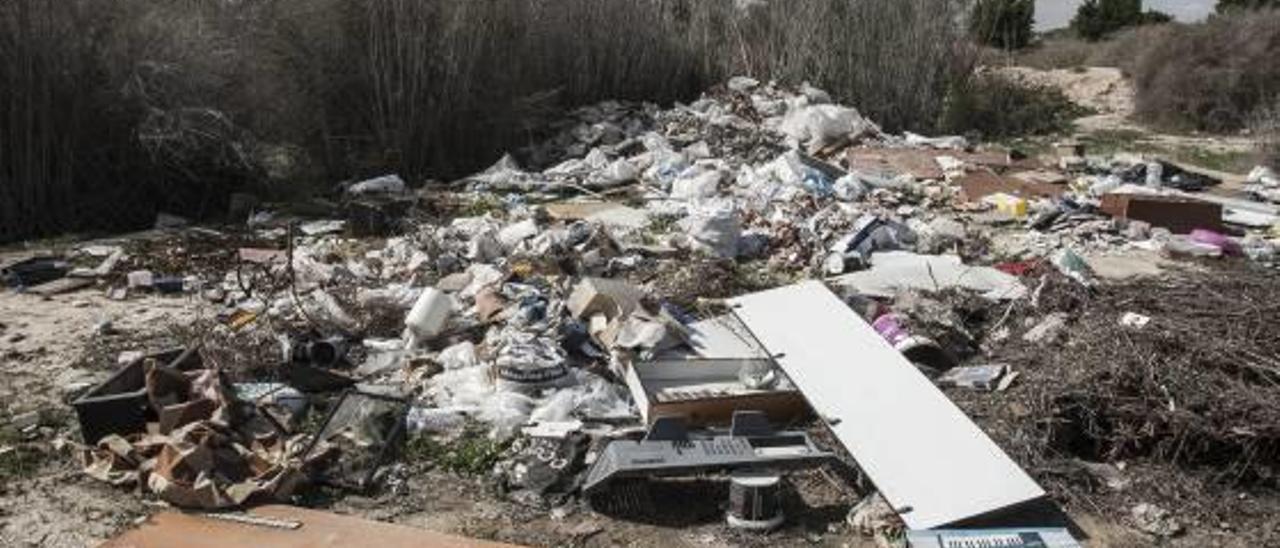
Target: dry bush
1209,76
1265,127
112,110
1063,50
1057,53
109,113
895,60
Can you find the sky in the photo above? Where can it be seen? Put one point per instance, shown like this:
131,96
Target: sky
1052,14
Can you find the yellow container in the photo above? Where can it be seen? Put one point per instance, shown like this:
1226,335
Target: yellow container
1008,204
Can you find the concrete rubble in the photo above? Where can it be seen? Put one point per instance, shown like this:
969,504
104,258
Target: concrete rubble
523,302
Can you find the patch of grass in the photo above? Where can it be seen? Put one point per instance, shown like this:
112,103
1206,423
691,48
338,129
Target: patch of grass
1230,161
472,453
1111,141
482,205
16,458
662,224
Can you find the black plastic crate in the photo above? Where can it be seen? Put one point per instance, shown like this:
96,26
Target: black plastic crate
120,405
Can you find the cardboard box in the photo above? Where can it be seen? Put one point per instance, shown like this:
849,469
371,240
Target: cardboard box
706,392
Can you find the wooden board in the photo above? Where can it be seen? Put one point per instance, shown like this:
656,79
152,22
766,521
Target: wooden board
931,463
982,183
319,529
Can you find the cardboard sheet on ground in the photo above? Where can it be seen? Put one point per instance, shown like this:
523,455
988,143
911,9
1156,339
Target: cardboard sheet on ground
933,464
892,271
316,530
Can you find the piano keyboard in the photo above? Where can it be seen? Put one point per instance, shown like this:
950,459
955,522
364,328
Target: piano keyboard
992,538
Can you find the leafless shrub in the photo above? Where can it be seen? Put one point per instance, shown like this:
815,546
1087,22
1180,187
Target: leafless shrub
165,105
1265,127
1210,76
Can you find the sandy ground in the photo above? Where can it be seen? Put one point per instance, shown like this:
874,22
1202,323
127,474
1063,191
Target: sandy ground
1110,96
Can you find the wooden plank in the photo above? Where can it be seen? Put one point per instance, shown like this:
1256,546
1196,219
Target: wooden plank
318,530
982,183
933,464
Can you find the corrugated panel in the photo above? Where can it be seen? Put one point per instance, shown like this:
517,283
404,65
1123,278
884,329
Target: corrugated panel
925,456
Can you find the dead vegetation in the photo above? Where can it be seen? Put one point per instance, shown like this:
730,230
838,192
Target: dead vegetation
111,111
1192,398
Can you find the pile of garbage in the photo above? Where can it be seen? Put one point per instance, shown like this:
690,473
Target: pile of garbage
537,302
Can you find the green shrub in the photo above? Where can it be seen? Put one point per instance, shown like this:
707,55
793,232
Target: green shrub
1005,24
996,107
1096,19
1227,6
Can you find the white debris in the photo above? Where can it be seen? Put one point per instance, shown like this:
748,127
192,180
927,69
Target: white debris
386,184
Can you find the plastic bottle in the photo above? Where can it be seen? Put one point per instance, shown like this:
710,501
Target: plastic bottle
428,316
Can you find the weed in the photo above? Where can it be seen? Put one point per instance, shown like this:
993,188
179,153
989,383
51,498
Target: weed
17,459
482,205
472,453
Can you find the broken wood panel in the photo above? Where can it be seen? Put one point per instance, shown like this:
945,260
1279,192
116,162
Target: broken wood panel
979,184
918,163
1179,215
318,530
933,464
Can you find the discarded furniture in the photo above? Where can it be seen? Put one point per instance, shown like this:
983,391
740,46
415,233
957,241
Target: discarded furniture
931,463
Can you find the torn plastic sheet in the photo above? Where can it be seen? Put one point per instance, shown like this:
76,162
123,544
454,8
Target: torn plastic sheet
894,271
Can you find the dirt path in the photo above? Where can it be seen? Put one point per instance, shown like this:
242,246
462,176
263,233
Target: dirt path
1110,96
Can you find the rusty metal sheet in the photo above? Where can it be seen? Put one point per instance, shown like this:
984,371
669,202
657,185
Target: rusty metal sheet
317,530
